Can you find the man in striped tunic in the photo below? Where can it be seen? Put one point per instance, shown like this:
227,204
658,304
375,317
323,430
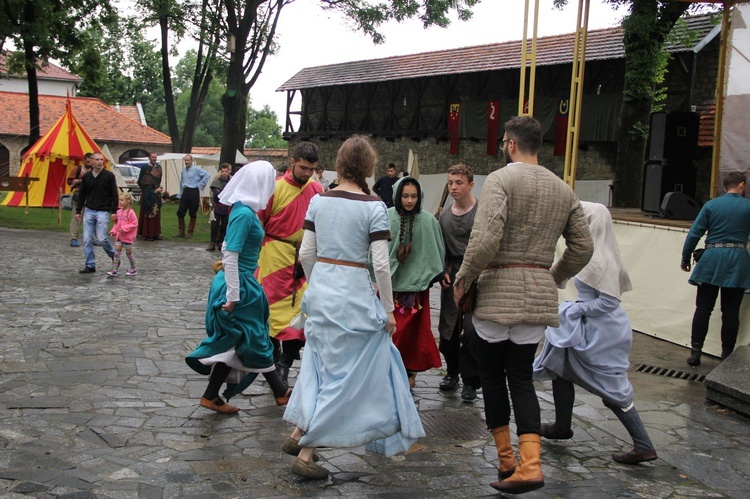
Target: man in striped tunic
279,270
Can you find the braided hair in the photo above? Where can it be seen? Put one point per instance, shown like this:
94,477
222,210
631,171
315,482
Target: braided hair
356,160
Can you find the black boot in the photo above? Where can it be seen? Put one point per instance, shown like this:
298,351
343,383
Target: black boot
283,370
695,357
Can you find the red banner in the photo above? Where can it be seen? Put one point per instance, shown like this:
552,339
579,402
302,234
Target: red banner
493,125
561,127
453,127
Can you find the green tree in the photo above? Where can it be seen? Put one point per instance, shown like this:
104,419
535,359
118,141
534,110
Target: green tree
44,30
251,26
263,129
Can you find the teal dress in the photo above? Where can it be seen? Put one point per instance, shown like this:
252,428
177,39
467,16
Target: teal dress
238,338
727,220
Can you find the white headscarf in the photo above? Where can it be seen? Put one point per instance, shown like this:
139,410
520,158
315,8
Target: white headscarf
252,185
606,271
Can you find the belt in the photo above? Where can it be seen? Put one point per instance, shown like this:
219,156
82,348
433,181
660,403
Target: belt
295,279
342,262
725,245
516,266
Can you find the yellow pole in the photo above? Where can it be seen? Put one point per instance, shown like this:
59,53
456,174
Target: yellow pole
524,40
576,93
528,59
716,159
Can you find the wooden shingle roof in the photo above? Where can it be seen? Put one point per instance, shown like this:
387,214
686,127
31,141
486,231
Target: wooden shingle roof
101,121
600,45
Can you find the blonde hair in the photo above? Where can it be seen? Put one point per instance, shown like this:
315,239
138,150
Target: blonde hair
128,196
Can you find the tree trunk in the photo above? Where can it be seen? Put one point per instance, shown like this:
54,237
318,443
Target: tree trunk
234,102
30,66
631,150
198,97
174,132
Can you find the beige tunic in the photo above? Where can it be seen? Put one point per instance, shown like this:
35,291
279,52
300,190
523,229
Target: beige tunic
524,211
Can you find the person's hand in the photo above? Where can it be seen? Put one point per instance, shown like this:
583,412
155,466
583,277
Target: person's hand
459,288
78,217
113,233
113,216
685,266
390,326
446,282
159,189
229,306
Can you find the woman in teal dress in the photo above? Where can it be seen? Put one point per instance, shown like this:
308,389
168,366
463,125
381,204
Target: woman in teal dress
238,346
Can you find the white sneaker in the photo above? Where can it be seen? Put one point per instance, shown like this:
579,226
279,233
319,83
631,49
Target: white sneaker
131,272
112,273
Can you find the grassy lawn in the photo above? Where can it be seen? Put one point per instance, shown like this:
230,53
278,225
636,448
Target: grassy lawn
46,219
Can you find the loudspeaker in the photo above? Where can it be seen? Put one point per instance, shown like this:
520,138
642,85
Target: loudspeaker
679,206
673,136
659,178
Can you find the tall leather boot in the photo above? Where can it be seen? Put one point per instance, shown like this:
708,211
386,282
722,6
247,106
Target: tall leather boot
505,454
181,226
528,476
695,354
191,227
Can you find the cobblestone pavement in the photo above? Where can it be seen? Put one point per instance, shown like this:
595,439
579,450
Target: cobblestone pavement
97,401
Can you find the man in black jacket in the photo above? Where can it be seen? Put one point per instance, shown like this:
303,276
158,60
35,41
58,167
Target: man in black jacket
98,194
384,186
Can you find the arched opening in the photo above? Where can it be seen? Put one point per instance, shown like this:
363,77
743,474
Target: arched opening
132,153
4,161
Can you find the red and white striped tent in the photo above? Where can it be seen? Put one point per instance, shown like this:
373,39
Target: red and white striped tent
51,159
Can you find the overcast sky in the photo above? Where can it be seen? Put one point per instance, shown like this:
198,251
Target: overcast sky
309,36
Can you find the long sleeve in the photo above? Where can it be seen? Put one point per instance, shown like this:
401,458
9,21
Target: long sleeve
205,177
182,183
579,245
308,252
231,275
382,271
699,227
601,305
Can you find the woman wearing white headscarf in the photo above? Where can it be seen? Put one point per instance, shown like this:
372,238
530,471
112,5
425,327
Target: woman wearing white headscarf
238,346
590,347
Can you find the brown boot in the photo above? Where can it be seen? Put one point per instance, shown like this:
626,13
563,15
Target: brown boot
191,227
211,247
181,227
528,476
505,454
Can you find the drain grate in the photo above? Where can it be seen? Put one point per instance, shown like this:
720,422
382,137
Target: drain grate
455,425
670,373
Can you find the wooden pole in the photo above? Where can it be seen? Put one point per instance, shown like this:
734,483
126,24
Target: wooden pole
720,84
59,206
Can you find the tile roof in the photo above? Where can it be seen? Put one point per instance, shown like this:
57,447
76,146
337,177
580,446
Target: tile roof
247,152
129,111
100,121
49,72
600,44
706,127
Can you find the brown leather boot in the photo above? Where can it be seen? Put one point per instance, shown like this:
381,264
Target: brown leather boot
181,227
505,454
191,227
528,476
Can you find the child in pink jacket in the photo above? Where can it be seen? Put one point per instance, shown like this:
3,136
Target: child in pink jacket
124,232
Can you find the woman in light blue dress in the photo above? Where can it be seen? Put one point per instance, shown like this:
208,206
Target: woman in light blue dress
590,347
352,390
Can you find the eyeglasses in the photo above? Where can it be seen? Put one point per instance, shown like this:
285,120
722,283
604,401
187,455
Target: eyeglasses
502,144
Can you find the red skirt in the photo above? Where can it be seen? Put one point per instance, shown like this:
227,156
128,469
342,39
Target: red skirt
149,227
413,336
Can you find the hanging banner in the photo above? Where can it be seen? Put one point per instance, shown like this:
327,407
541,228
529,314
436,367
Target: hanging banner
453,116
493,125
561,127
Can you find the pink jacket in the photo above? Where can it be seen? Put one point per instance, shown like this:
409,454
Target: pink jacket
126,226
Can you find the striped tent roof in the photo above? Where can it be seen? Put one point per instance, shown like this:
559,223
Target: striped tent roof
51,159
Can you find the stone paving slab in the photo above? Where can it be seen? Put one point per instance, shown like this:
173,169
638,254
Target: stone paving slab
97,401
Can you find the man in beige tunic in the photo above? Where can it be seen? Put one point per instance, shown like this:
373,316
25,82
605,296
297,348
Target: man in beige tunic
525,209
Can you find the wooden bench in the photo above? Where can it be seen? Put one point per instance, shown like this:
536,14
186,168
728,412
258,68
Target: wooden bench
18,184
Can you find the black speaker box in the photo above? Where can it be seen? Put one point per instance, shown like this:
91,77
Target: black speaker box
679,206
673,136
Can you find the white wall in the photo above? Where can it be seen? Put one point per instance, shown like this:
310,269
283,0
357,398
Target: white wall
46,87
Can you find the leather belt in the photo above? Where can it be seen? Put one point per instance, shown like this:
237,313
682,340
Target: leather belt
342,262
295,279
516,266
725,245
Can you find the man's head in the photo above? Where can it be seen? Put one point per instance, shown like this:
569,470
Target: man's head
225,170
735,182
87,162
460,182
390,170
522,139
303,161
152,158
188,160
97,161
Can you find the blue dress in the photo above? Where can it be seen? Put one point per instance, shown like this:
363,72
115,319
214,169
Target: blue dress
728,218
238,338
590,347
352,389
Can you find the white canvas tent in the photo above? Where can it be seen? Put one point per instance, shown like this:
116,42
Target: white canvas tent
172,165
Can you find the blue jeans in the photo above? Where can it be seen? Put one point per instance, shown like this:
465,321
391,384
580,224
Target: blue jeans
96,223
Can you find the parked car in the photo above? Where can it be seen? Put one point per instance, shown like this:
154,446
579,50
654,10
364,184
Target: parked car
130,174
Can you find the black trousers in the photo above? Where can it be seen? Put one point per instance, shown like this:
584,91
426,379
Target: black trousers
503,361
219,229
457,353
731,299
189,202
